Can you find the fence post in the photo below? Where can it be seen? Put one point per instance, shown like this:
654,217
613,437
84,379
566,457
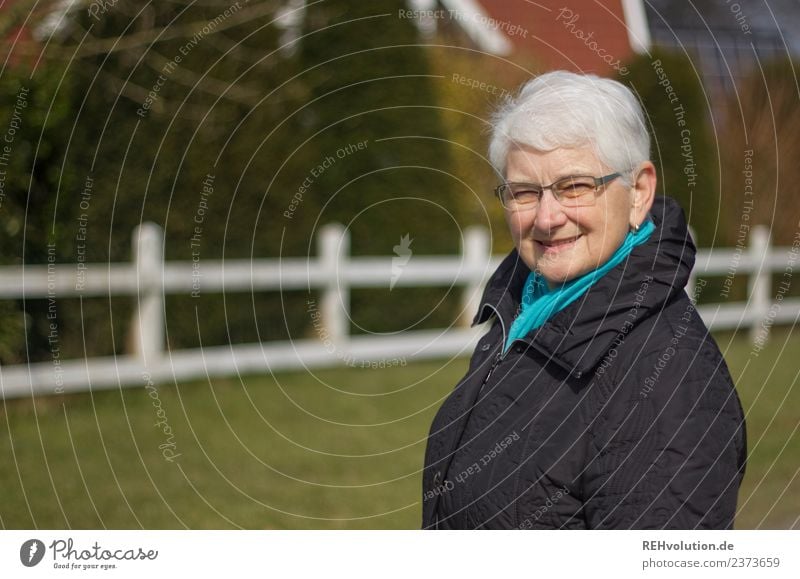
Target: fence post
476,257
148,319
759,282
333,249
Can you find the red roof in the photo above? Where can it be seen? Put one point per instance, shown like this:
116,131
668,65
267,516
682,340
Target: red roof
585,36
18,36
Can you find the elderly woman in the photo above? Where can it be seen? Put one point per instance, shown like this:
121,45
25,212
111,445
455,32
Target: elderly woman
597,399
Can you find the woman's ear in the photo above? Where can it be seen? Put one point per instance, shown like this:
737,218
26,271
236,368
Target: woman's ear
644,192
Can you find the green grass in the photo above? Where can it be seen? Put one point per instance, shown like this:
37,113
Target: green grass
339,448
333,449
769,388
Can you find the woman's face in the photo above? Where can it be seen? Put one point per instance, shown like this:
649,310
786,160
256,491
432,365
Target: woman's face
563,243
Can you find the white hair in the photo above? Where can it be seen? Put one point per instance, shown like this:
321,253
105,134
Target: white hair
562,109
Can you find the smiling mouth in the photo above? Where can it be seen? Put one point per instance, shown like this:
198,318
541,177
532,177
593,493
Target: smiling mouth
558,244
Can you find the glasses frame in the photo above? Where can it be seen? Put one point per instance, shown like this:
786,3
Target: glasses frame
598,182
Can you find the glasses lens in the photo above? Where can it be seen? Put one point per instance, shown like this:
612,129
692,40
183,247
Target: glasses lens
517,194
575,191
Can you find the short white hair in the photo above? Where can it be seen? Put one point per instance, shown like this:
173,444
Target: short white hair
563,109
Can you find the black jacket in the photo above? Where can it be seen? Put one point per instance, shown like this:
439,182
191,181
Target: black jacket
618,413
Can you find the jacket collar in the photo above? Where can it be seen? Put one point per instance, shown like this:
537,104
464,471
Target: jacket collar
580,335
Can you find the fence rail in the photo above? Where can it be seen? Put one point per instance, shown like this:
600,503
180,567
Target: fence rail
148,278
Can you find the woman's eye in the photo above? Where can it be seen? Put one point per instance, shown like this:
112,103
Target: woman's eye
525,194
577,187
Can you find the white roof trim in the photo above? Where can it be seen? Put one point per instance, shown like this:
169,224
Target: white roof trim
426,25
55,21
469,14
636,24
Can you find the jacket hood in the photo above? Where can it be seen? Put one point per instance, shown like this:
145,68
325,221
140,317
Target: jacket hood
580,335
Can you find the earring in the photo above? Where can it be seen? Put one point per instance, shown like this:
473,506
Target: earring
635,228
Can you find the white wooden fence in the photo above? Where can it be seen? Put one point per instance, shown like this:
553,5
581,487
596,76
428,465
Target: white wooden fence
148,278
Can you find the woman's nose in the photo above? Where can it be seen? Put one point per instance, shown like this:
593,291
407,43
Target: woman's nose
550,213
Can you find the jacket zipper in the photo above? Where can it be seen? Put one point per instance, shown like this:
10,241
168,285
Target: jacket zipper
568,369
497,358
495,363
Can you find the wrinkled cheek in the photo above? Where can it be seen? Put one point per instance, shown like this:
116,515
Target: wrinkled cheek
513,221
517,227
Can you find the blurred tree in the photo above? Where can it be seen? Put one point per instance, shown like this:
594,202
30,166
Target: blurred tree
208,118
142,103
470,86
682,145
35,122
377,157
763,119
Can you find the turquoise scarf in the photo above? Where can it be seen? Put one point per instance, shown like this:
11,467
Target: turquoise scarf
539,302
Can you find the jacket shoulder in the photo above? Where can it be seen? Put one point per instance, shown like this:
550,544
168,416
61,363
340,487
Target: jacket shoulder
671,363
667,444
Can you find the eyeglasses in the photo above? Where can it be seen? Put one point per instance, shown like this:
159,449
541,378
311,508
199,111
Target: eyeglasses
571,191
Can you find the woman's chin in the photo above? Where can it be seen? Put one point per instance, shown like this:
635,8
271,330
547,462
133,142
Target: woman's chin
553,278
557,275
557,269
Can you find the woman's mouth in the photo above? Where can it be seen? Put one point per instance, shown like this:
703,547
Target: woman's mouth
557,245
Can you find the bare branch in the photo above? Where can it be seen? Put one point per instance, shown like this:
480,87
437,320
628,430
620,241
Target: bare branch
206,83
110,45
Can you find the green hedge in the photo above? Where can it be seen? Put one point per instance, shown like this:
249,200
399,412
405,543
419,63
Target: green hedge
683,150
198,91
